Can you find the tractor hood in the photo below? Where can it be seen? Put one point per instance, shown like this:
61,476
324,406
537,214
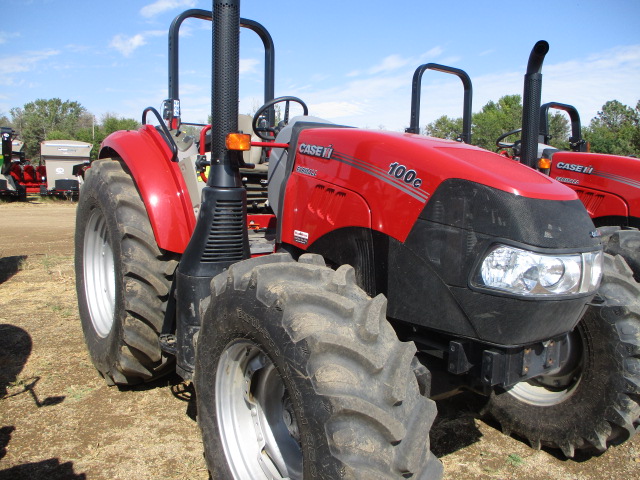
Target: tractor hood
398,173
440,207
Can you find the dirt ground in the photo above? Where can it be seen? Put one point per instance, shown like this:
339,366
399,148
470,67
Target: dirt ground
59,420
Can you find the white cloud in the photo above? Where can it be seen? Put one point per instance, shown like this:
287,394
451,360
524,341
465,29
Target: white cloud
390,63
26,61
248,65
586,83
160,6
432,53
396,62
76,48
155,33
126,45
5,36
451,61
340,109
383,96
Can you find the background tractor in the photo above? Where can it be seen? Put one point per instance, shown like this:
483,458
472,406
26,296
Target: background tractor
594,401
316,325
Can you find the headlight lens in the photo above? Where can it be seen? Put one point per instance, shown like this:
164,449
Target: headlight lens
522,272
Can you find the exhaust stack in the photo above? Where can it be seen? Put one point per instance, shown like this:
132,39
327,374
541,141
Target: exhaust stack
220,237
531,104
225,86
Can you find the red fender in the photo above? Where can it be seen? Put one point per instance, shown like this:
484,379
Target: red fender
163,191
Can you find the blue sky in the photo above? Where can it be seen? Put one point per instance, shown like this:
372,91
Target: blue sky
351,61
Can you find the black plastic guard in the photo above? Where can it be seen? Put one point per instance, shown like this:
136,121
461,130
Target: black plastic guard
429,274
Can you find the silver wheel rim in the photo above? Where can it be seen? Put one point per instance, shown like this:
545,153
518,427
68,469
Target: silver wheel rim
257,424
549,390
99,274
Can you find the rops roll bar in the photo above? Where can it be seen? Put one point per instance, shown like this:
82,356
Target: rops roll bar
414,122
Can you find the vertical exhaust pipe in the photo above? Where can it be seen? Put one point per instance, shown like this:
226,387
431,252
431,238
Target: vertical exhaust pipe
531,104
225,91
220,237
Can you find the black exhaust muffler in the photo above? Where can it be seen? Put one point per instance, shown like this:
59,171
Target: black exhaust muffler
531,104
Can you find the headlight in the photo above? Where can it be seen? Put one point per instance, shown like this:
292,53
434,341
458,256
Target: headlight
521,272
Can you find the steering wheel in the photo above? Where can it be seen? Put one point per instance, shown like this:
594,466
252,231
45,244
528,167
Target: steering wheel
258,122
502,144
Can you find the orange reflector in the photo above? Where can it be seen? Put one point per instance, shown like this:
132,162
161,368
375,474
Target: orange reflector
544,163
238,141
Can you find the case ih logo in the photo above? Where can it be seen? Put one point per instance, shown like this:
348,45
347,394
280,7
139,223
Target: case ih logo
574,167
316,150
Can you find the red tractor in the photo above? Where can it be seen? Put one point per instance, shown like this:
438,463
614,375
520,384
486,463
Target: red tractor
593,401
390,254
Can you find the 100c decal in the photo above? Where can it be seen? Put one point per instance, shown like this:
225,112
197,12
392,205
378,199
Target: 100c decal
406,175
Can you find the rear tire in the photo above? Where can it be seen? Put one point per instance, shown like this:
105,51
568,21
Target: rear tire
299,375
597,404
122,277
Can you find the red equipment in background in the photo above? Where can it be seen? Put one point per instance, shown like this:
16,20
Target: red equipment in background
608,185
30,178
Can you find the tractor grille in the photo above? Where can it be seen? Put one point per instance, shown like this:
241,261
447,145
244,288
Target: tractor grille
225,240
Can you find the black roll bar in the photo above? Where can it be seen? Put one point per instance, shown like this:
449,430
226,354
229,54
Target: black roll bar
171,107
414,122
576,142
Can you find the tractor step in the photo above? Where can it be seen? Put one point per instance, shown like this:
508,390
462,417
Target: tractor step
168,343
262,242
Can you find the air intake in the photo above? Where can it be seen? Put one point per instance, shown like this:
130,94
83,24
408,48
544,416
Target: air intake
225,239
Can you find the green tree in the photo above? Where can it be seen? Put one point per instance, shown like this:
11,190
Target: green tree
497,118
4,120
615,130
96,134
39,120
111,123
559,130
493,120
445,127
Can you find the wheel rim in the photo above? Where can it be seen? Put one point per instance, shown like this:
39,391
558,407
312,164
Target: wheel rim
256,420
548,390
99,274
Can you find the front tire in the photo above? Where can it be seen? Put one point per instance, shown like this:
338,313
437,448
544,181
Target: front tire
595,402
122,277
299,375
